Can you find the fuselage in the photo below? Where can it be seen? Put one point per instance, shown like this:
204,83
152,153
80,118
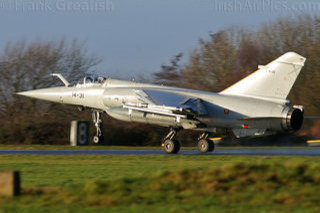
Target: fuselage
225,111
257,105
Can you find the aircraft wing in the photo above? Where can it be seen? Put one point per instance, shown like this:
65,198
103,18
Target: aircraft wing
167,100
185,109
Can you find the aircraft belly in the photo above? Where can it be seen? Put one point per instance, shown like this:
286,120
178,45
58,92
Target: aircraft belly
267,123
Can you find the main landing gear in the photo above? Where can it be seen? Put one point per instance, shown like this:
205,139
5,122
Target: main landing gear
172,146
96,117
205,145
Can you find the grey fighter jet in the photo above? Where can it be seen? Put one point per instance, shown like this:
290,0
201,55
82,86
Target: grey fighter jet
255,106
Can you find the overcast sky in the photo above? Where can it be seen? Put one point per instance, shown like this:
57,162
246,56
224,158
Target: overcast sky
137,36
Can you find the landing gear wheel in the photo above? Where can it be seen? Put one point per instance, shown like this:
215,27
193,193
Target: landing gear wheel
211,146
171,146
96,139
205,145
96,116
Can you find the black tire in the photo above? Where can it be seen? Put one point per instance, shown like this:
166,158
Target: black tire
205,145
171,146
211,146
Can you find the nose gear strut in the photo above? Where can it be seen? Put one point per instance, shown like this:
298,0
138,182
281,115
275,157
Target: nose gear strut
96,117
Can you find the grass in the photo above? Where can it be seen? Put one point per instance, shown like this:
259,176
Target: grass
95,183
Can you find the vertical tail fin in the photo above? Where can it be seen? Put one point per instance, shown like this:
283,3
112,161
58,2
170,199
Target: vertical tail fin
273,80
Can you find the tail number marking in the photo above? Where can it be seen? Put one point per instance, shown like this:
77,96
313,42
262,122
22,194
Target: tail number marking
78,95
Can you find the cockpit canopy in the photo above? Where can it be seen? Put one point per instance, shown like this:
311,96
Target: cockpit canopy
94,80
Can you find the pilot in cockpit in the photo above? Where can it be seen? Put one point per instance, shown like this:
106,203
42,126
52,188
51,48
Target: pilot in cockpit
94,80
101,80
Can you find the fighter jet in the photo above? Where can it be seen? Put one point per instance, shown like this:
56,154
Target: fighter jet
255,106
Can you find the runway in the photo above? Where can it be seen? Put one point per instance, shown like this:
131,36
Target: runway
260,152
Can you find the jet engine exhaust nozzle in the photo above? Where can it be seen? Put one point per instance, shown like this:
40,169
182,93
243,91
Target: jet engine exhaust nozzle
293,119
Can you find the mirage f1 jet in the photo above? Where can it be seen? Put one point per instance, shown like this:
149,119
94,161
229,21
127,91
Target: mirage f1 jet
255,106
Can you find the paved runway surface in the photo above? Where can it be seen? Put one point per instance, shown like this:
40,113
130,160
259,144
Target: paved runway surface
264,152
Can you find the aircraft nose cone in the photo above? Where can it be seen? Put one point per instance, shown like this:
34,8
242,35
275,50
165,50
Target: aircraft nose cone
49,94
31,94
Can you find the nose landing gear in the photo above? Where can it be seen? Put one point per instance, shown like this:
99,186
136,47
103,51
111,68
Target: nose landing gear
96,117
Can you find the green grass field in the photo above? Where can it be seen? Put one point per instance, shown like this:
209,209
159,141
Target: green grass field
166,183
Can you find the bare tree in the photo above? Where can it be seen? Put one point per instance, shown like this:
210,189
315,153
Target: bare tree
27,65
170,74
